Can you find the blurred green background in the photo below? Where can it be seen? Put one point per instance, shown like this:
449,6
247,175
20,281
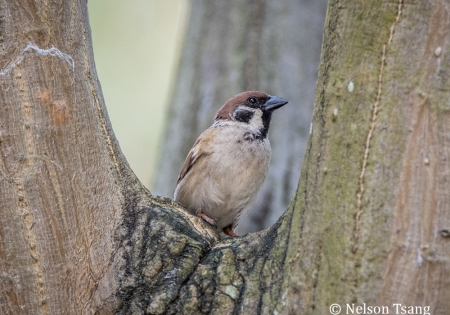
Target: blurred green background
136,47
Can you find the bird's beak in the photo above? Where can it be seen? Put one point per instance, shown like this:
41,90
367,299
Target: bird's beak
273,103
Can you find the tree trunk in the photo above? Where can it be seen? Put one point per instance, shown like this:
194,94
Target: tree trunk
240,45
63,180
368,226
374,204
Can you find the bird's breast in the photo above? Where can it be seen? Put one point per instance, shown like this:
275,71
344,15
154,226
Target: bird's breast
240,167
224,181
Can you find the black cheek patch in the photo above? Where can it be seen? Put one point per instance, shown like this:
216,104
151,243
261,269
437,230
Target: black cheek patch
243,115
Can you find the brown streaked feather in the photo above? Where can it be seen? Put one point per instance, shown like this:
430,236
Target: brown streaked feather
190,160
198,151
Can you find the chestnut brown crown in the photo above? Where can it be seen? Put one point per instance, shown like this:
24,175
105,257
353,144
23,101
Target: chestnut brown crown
251,99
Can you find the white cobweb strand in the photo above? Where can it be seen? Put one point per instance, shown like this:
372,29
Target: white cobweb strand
53,51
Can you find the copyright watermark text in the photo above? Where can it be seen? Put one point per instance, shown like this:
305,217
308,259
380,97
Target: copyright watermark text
364,309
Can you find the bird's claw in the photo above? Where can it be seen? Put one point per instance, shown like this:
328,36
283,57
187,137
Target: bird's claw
207,219
229,231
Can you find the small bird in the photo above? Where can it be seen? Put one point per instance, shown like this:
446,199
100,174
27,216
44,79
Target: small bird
229,161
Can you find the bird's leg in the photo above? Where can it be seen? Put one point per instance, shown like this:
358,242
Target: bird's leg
206,218
228,230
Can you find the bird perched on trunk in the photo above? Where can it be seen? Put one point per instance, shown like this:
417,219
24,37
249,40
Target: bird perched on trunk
229,161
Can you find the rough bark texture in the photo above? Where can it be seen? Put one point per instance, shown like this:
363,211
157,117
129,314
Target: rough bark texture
239,45
59,200
374,198
369,223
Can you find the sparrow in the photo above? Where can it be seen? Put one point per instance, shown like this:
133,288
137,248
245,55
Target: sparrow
229,161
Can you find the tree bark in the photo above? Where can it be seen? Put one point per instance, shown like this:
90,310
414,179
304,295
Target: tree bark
240,45
369,224
62,177
373,195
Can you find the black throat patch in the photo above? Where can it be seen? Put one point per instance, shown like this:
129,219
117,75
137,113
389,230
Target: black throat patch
255,135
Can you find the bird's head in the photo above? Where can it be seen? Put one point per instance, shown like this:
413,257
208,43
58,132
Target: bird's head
253,108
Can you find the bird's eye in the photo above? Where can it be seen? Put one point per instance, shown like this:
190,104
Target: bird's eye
252,100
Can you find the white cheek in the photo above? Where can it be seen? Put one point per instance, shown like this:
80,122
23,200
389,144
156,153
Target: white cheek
256,121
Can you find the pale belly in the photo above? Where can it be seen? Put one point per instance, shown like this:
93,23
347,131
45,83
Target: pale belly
224,191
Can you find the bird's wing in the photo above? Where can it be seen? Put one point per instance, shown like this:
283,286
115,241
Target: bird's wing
198,150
